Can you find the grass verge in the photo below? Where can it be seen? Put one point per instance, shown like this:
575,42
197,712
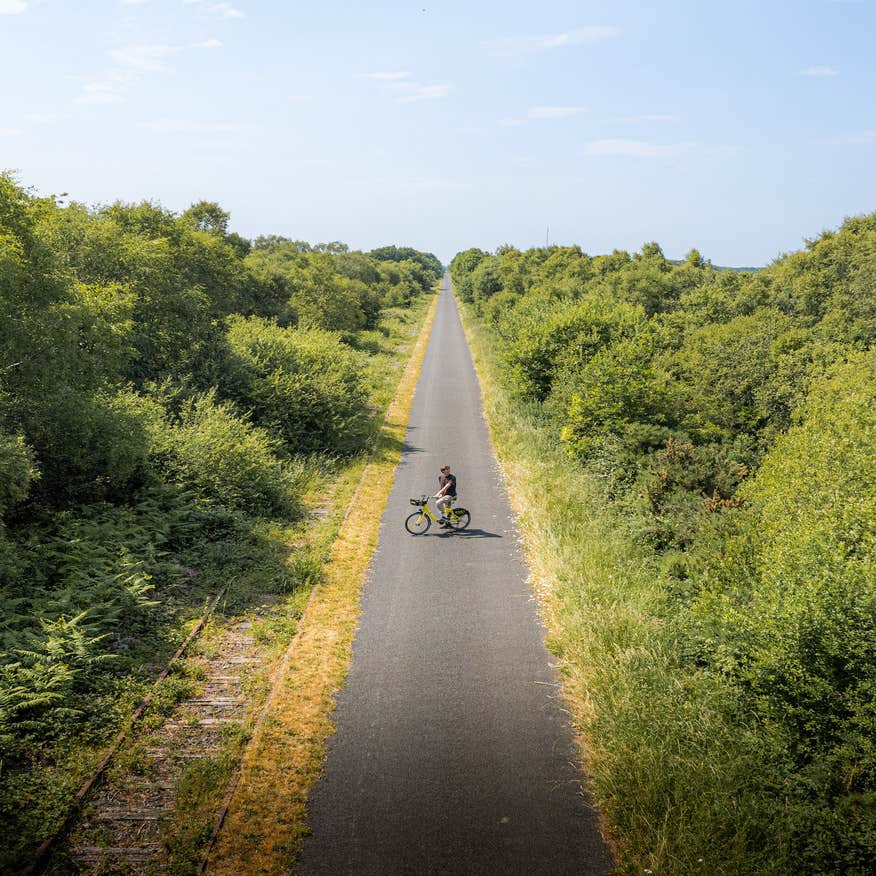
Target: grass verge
266,820
673,765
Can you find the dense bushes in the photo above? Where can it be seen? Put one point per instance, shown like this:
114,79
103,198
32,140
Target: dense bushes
793,620
306,386
727,418
222,458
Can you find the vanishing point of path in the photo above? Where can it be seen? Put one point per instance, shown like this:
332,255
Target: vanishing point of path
453,753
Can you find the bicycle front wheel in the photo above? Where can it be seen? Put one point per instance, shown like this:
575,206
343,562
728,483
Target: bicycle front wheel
460,519
417,523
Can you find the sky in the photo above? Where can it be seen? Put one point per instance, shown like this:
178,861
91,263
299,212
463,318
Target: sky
737,128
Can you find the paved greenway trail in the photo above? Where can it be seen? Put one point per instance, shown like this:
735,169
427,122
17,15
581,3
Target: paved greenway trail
452,753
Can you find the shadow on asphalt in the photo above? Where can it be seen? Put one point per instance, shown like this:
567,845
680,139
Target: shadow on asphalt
465,533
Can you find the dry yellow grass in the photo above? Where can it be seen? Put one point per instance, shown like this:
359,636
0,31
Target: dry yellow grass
266,820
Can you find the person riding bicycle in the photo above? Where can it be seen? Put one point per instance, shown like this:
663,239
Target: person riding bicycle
446,493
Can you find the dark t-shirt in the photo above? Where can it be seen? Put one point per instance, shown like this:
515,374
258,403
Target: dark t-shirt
442,480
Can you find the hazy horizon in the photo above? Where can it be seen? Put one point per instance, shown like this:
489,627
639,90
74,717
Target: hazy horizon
737,130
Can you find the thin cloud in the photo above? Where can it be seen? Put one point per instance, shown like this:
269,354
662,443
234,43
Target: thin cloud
225,10
651,118
423,184
316,162
131,64
112,87
190,126
554,112
540,113
820,71
9,132
413,92
409,185
220,10
636,148
856,139
46,118
406,89
144,59
12,7
508,47
389,76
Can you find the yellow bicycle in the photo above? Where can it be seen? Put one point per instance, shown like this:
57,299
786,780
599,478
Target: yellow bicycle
420,521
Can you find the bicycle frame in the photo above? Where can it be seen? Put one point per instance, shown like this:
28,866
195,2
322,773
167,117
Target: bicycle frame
426,511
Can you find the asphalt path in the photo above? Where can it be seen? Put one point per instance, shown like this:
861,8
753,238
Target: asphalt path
452,753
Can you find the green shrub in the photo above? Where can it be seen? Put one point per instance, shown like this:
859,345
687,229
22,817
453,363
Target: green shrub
680,484
92,447
17,470
223,458
497,309
426,262
304,385
720,370
718,616
403,281
545,336
619,391
323,299
461,269
794,625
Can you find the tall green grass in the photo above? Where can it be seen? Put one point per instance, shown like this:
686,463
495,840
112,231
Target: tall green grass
674,762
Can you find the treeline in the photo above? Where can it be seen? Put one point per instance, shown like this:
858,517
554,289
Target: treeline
729,419
161,380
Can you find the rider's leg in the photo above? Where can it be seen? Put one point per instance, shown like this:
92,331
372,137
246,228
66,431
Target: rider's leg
444,504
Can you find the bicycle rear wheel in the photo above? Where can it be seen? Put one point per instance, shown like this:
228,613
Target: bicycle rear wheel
460,519
417,523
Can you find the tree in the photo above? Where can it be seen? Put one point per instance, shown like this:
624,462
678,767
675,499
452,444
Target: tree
207,216
429,261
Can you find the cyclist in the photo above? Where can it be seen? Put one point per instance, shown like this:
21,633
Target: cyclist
446,494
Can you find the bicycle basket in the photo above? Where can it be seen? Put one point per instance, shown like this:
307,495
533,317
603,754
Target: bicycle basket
419,502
